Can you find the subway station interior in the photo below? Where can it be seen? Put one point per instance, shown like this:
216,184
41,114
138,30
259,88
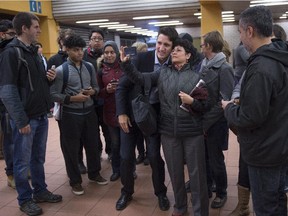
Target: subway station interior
125,22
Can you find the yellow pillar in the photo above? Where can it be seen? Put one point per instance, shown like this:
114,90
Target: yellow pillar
211,17
48,25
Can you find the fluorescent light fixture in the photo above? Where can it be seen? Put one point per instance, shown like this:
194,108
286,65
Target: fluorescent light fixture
228,15
283,17
228,20
197,14
227,12
108,23
154,23
169,24
268,2
106,26
93,21
151,17
199,17
121,27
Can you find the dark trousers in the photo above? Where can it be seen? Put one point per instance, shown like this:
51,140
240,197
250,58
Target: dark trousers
105,130
77,128
217,137
115,147
127,152
267,188
243,175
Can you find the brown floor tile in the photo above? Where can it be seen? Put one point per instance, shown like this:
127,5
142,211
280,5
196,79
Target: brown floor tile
100,200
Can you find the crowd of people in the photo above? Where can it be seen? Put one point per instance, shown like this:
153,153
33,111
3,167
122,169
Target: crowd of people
92,90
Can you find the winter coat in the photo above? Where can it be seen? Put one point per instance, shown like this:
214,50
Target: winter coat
24,93
105,75
174,121
262,116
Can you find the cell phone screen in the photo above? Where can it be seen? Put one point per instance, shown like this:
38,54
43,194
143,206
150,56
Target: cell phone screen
130,51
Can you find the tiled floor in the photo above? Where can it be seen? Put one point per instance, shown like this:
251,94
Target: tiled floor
100,200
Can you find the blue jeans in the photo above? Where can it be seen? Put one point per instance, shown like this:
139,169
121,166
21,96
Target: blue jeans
8,146
267,188
30,152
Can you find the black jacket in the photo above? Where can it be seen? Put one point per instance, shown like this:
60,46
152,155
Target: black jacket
57,59
262,116
24,98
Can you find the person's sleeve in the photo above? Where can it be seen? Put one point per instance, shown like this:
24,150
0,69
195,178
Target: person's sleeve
122,95
255,100
56,88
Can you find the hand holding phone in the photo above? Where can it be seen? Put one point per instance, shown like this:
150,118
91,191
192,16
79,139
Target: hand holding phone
131,51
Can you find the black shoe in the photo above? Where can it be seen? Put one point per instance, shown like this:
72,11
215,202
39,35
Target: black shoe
187,187
146,161
164,203
82,168
218,202
139,159
123,201
114,177
31,208
47,196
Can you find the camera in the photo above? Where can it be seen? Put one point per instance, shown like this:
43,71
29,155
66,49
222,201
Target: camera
131,51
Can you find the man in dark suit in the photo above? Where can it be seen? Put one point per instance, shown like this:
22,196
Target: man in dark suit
126,92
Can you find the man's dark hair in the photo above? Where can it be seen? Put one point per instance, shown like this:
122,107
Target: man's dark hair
5,25
23,18
74,40
187,45
214,39
98,30
279,32
259,18
170,32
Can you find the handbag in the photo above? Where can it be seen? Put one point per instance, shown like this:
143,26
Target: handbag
144,114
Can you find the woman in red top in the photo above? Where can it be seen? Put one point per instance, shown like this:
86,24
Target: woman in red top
108,76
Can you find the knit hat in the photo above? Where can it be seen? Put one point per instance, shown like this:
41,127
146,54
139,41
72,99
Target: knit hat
186,36
114,46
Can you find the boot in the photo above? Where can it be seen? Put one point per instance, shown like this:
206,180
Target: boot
242,208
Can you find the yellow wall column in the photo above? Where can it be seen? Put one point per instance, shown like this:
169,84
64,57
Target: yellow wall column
211,17
48,25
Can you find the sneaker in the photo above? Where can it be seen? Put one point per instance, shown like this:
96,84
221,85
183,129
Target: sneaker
99,180
218,202
82,168
77,189
11,181
31,208
47,196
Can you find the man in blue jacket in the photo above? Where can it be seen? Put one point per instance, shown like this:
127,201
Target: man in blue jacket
126,91
261,116
24,90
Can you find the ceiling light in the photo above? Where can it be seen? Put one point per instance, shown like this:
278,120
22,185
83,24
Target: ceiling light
154,23
268,3
150,17
91,21
106,26
228,20
108,23
197,14
227,12
120,27
228,15
283,17
169,24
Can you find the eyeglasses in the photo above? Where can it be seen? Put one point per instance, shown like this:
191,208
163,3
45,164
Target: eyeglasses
11,34
97,39
202,45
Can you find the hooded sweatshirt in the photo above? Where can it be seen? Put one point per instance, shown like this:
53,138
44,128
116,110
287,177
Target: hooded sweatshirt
262,116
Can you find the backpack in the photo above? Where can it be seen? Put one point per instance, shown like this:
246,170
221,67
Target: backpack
66,73
57,110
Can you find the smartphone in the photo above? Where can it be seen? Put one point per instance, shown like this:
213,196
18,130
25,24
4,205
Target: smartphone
131,51
114,82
